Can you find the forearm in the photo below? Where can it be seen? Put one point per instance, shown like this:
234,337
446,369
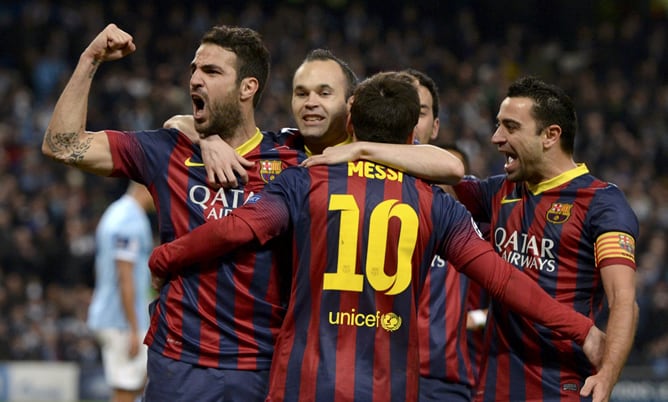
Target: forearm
65,139
126,289
620,332
428,162
521,294
206,242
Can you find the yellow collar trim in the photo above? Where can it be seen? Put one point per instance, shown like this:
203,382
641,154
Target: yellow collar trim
252,142
348,140
559,180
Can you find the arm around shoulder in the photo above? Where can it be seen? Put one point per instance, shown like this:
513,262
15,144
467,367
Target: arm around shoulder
426,161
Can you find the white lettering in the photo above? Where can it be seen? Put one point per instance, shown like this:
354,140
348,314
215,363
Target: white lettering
221,202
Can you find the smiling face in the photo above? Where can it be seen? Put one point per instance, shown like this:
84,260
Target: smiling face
214,91
518,138
319,102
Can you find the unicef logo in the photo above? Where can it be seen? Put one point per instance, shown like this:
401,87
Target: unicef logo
391,322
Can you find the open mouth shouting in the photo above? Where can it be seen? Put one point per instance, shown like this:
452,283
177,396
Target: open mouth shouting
199,104
512,163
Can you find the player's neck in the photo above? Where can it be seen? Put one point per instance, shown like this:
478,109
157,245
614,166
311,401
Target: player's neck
318,144
557,165
242,134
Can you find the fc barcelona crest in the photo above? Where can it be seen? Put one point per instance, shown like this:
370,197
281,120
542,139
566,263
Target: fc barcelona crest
558,212
269,169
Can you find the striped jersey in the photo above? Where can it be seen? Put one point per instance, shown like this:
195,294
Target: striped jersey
448,351
363,238
442,313
560,234
224,313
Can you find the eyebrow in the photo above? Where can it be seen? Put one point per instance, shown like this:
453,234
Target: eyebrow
319,86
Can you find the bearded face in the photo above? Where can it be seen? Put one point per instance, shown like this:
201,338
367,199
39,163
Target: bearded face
224,116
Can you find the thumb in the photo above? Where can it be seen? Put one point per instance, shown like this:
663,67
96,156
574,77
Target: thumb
588,387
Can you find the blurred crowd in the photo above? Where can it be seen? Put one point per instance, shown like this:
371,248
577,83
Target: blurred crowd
609,56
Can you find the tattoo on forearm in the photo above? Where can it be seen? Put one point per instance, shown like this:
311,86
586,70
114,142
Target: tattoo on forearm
94,65
68,147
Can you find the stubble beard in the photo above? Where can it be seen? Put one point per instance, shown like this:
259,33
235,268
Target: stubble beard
225,118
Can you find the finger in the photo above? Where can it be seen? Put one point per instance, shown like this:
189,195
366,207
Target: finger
587,387
230,178
315,160
212,177
241,171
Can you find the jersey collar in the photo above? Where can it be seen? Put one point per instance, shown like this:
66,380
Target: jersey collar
348,140
557,181
249,145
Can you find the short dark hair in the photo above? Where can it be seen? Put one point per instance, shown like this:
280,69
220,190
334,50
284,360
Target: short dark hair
253,58
385,108
325,55
453,147
551,106
428,83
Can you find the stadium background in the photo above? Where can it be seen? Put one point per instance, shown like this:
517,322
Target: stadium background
611,56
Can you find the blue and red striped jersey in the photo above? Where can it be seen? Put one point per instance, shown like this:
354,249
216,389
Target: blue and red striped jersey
364,236
223,313
560,234
448,350
442,313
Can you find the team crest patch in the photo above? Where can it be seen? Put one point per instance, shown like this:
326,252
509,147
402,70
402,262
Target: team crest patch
269,169
627,243
558,212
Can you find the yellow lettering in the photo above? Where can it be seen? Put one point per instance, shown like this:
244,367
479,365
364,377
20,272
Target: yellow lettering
368,170
355,168
359,320
371,170
380,172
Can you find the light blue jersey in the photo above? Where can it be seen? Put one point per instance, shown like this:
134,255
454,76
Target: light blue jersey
124,233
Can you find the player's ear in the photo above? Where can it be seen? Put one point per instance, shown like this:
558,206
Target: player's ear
349,103
435,128
350,130
247,88
551,135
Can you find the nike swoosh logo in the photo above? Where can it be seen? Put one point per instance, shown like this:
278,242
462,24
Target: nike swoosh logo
505,200
190,163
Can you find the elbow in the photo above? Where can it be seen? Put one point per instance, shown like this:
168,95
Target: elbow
454,173
458,172
47,149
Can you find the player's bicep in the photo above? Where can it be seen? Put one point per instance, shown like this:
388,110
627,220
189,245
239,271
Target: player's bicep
88,151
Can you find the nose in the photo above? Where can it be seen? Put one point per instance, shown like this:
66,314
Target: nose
499,136
311,100
195,79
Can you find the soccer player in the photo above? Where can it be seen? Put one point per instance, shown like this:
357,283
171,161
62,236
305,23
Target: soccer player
118,312
447,335
566,230
213,329
363,236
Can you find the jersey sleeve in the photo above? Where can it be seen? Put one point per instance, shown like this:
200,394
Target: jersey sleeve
141,155
614,228
264,216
